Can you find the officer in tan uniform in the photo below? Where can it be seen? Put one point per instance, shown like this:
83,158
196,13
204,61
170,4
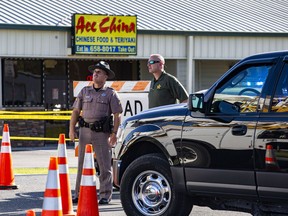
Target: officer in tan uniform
97,103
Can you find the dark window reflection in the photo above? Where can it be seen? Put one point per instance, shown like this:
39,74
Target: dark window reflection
280,99
22,83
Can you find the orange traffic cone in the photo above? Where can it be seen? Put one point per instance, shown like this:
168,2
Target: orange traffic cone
52,197
87,203
30,212
6,170
66,196
270,159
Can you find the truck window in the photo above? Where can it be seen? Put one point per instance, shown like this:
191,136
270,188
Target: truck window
243,89
280,98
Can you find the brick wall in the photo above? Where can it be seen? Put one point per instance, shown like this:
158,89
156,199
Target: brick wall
25,128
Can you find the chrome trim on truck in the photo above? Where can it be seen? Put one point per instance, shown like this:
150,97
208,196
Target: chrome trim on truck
116,172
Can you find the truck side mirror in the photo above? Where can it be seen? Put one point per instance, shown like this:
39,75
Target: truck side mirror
196,102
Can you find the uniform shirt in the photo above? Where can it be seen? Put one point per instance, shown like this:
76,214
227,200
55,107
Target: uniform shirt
96,105
166,90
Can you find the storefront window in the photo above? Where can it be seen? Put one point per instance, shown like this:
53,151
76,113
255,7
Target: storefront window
78,71
22,83
55,84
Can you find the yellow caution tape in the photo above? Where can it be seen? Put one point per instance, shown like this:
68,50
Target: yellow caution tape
35,112
35,117
37,138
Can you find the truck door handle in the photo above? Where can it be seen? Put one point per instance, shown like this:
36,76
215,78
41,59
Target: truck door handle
239,130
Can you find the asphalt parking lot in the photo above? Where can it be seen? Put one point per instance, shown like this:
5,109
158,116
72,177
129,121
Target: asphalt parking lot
30,192
30,195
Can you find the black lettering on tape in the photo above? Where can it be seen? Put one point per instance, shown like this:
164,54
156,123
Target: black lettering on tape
140,104
128,108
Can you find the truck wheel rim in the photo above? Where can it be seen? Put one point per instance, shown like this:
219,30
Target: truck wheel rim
151,193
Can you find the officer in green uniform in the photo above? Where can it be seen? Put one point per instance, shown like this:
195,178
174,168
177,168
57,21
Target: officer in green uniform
97,103
165,89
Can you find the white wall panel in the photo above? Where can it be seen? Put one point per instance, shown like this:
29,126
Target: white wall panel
33,43
10,42
54,44
162,45
170,46
217,47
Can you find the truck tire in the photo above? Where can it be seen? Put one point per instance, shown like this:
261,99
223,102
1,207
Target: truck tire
147,189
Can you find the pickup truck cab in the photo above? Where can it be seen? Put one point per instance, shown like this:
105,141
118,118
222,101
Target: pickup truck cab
226,149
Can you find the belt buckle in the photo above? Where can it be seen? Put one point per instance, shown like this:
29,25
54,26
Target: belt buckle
91,125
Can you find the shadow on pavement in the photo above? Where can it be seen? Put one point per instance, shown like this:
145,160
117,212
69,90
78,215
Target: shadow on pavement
21,202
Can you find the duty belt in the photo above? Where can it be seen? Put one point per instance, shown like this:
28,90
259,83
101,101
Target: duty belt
95,126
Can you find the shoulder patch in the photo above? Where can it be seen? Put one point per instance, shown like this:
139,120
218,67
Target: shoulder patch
88,87
111,89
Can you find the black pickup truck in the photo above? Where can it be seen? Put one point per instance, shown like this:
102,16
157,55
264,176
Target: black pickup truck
226,149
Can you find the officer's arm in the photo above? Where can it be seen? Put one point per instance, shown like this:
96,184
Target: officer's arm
117,120
73,120
178,90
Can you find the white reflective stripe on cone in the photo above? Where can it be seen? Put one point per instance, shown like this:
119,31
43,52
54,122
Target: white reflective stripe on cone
52,182
63,169
52,203
5,149
6,137
88,161
88,180
61,150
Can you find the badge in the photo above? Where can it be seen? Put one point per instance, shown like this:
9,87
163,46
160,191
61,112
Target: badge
103,94
158,86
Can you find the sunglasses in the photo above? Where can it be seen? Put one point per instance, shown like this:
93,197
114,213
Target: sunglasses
152,62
